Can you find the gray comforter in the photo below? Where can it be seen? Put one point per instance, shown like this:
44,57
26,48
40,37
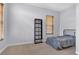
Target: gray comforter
61,41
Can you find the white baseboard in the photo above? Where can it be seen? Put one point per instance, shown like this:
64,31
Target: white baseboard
20,43
15,45
3,49
77,52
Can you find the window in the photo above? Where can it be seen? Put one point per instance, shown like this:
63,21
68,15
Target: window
1,21
49,24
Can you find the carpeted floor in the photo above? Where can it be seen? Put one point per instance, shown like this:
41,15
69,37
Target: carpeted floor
37,49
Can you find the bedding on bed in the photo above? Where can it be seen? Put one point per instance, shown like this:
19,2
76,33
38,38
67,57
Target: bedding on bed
60,42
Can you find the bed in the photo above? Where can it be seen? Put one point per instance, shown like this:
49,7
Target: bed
60,42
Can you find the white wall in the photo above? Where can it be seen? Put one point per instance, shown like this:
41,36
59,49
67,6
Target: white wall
2,45
77,29
68,19
21,22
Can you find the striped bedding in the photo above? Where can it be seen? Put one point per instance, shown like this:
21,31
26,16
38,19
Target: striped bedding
60,42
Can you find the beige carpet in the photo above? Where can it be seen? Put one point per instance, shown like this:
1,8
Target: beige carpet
37,49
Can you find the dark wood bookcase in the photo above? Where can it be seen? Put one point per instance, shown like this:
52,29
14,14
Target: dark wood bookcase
38,31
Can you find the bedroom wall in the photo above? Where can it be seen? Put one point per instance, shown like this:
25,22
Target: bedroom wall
68,19
77,28
21,22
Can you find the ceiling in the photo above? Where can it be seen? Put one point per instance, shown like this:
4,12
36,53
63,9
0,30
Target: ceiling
53,6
